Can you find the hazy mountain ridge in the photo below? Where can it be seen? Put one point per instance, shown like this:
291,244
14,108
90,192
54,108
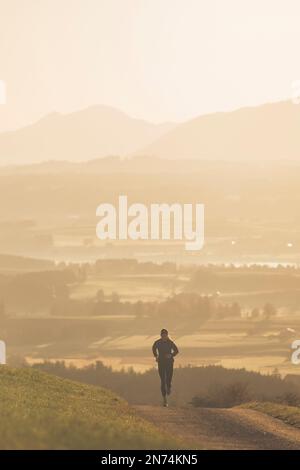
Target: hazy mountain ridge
90,133
115,164
267,132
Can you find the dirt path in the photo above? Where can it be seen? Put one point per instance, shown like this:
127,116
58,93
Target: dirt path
212,428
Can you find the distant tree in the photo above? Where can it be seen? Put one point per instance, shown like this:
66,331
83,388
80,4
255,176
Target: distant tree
236,310
61,292
100,295
2,310
115,298
255,312
269,310
223,396
289,398
139,309
82,273
275,373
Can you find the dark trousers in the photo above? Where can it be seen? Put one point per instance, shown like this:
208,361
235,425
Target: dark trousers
165,370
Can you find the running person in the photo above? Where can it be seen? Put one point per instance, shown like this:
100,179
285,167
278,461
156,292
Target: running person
164,350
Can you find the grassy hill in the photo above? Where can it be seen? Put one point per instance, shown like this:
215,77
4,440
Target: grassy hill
41,411
287,414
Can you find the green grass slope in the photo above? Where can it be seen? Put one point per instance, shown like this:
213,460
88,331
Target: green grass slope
41,411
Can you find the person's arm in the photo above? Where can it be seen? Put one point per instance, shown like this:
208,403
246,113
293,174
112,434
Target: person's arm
175,349
154,350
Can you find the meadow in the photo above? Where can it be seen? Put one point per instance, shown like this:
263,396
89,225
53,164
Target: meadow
41,411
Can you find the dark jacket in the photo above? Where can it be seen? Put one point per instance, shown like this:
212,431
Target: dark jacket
162,348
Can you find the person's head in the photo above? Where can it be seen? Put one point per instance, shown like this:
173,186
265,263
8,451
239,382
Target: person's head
164,334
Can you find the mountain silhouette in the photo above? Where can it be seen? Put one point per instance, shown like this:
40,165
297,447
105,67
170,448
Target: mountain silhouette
93,132
267,132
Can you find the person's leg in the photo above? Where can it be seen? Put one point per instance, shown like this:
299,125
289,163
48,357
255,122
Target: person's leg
162,374
169,376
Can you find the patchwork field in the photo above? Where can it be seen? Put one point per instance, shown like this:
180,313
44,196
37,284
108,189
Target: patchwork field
236,344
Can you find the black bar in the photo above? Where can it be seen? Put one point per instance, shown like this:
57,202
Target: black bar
140,458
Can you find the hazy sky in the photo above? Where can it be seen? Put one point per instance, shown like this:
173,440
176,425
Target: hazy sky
155,59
